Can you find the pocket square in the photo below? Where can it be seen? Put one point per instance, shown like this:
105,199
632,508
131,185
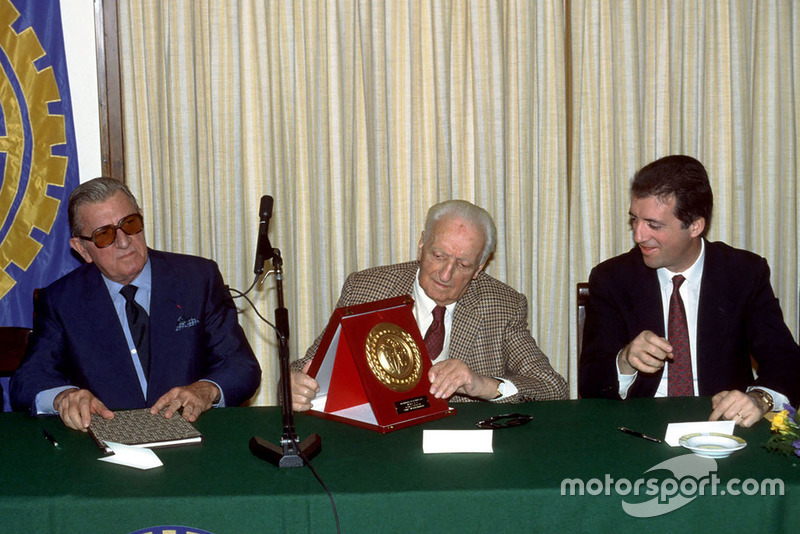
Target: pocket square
185,322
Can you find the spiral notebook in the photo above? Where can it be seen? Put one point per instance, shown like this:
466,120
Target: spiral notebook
140,428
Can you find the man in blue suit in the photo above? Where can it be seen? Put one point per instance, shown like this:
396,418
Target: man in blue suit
723,295
86,355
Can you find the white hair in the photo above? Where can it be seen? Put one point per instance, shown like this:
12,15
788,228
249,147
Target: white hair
468,212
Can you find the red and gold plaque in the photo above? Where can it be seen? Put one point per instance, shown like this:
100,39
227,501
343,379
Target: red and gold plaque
372,368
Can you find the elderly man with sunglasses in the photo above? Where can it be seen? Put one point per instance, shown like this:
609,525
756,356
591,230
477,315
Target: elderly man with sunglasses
133,327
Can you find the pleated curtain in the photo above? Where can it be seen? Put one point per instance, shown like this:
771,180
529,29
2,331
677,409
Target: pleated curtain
356,116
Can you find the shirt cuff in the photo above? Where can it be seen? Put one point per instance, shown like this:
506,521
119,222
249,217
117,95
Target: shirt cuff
509,389
221,403
43,403
779,399
625,381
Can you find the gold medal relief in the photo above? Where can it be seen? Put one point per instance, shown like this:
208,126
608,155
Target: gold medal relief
393,357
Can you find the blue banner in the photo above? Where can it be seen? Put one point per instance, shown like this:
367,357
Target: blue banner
38,155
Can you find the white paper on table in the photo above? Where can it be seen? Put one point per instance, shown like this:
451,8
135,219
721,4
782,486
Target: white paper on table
438,441
675,431
138,457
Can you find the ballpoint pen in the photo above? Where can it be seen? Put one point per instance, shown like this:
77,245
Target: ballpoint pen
638,434
49,437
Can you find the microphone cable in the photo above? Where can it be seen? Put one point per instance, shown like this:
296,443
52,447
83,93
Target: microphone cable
235,293
321,482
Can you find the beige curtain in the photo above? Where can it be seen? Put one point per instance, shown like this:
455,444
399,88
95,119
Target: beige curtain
357,116
713,80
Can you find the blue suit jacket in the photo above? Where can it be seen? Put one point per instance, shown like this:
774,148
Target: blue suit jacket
738,317
77,338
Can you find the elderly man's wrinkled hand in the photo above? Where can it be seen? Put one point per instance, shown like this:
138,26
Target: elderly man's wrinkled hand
454,376
304,389
195,399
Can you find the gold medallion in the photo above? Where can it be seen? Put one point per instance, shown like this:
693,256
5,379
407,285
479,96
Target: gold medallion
393,357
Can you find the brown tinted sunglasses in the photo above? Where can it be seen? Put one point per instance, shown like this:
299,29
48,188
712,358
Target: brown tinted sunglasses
106,235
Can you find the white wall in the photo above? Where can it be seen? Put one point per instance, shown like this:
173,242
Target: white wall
79,42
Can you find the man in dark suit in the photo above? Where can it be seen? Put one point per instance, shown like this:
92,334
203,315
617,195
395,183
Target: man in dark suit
724,295
85,355
487,350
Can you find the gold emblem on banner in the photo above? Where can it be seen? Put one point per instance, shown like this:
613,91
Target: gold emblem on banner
393,357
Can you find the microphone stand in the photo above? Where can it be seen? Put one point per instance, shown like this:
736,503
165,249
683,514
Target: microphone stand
290,453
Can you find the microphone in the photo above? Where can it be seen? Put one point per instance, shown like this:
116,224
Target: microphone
289,453
263,248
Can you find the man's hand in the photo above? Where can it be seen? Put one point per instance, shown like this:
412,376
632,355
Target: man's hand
195,399
736,406
76,406
646,354
453,376
304,389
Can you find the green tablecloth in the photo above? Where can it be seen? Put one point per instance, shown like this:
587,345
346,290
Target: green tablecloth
384,483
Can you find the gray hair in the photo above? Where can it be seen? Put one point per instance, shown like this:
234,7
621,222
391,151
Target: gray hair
468,212
92,192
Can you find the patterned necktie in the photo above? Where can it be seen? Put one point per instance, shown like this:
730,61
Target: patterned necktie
139,322
434,337
680,382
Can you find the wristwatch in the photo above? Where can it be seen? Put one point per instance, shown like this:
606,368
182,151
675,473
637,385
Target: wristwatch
501,389
764,398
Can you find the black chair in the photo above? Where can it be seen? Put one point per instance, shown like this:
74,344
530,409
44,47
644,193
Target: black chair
582,297
582,300
13,341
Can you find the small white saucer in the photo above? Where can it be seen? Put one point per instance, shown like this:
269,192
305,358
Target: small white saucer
712,444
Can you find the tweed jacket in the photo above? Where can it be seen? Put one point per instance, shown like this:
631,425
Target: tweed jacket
489,332
78,340
738,318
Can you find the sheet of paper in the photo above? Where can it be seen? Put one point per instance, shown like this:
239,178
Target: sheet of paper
675,431
138,457
438,441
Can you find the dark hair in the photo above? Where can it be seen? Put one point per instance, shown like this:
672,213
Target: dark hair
681,177
92,192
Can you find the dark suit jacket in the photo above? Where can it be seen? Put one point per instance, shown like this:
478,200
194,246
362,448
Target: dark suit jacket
738,316
490,331
77,338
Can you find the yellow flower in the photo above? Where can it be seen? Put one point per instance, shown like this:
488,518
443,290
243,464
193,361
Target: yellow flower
779,421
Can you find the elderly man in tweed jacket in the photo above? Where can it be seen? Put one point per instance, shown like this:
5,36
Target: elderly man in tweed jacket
488,352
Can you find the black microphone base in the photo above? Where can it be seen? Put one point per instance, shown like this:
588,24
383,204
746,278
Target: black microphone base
288,455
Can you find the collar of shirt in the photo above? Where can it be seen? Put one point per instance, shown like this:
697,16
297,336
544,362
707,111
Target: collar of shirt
690,289
144,284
